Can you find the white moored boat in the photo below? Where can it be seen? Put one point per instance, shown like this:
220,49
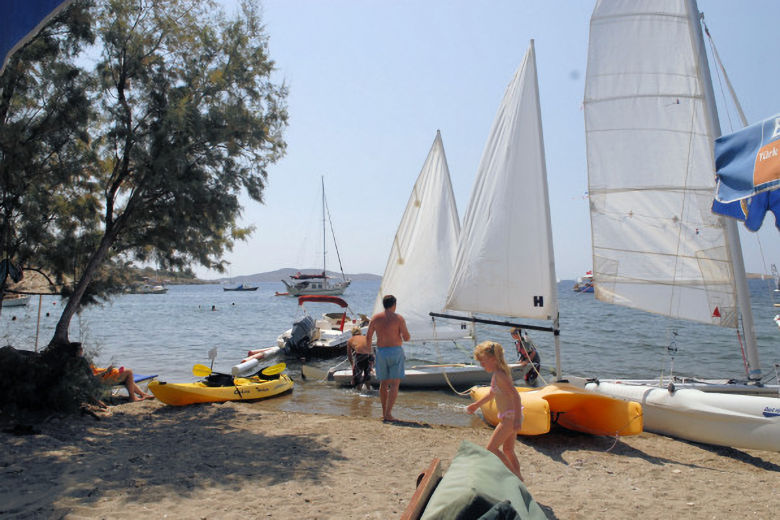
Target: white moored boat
318,283
459,376
322,337
418,270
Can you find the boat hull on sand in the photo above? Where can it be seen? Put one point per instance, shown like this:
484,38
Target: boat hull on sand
574,409
244,389
456,375
737,421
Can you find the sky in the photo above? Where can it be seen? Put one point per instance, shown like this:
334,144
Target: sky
370,82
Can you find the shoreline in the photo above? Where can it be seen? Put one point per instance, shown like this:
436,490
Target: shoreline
218,460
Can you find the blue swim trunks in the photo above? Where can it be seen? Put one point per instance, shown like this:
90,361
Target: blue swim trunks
389,363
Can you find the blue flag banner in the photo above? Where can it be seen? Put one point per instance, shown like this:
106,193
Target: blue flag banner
747,164
20,20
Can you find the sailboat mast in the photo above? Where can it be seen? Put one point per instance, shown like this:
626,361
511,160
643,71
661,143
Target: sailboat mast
553,282
322,179
730,226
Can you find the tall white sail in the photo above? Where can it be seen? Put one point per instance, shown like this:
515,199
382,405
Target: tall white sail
505,264
423,253
649,128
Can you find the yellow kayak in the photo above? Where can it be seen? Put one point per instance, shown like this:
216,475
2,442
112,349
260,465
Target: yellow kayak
243,389
572,408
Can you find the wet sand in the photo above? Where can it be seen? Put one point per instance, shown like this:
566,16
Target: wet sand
148,460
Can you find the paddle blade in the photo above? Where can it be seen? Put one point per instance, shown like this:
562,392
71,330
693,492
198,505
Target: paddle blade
201,371
275,369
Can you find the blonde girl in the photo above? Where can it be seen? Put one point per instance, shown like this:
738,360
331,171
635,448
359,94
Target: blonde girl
510,411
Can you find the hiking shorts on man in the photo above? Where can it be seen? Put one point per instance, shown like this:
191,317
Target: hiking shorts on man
389,363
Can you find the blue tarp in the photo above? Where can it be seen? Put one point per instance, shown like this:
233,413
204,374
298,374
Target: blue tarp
747,164
20,20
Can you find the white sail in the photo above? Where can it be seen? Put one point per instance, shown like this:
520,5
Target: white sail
656,244
505,264
423,253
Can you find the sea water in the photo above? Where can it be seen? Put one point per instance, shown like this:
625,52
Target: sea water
166,334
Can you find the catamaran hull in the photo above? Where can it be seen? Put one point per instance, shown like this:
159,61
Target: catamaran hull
738,421
721,386
459,376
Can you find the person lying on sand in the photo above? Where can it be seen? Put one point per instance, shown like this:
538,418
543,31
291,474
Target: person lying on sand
122,376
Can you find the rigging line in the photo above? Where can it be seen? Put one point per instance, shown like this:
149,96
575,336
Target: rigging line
443,370
446,378
333,234
733,93
735,100
717,71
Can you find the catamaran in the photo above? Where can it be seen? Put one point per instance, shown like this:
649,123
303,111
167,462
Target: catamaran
650,121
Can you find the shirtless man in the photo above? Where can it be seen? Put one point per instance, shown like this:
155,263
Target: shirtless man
391,332
362,360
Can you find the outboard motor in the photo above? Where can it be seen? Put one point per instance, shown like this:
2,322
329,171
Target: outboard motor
300,337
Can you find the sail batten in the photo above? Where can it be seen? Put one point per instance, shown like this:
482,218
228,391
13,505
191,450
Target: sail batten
657,246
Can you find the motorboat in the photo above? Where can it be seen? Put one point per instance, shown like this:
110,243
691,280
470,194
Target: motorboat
324,336
584,284
150,289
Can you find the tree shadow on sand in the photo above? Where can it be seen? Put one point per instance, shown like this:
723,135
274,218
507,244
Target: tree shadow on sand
169,451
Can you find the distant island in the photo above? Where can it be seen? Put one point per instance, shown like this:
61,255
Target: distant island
284,274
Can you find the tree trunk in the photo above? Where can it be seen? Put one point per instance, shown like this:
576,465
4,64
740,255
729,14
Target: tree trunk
74,302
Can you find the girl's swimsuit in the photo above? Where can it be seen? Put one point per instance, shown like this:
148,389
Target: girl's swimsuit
506,413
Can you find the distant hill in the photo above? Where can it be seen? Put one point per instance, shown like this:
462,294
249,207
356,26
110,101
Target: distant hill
284,274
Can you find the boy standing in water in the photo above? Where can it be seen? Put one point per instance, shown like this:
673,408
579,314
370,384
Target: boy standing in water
391,332
362,360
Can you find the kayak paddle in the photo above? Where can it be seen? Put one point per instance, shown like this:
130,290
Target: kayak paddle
201,370
273,370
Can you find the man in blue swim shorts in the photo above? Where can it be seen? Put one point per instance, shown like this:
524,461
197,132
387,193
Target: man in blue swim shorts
391,332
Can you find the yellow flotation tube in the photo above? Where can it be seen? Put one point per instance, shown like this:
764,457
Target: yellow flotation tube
243,389
536,411
576,409
570,407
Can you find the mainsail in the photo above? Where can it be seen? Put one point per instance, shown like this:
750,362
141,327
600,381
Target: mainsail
656,244
423,253
650,123
505,264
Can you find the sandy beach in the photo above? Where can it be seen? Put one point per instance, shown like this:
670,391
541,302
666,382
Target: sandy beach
148,460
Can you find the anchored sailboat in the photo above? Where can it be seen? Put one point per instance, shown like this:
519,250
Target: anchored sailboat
320,283
505,264
418,271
